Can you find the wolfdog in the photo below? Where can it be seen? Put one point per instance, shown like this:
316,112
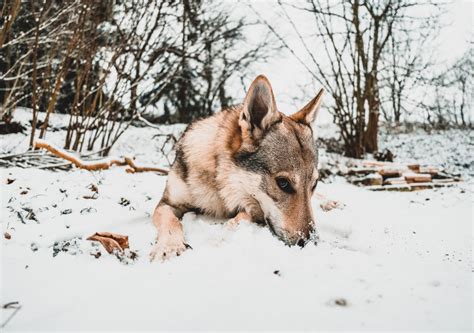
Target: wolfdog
249,162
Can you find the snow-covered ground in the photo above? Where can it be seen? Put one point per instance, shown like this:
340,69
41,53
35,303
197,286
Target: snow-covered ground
386,261
452,150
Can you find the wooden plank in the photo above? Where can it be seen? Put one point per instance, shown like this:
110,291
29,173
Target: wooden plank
395,181
361,171
429,170
409,187
390,172
443,175
445,184
417,177
377,164
414,167
372,179
401,188
445,180
421,186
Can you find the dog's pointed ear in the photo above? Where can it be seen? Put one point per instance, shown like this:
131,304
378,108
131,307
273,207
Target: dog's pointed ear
259,111
310,111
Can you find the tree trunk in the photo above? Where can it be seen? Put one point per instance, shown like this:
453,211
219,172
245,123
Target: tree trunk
34,95
398,106
182,84
371,133
463,102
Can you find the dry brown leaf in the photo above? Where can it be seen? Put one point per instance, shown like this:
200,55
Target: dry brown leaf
121,239
108,243
111,241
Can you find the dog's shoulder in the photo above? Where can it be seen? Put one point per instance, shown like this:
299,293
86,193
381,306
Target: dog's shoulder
218,131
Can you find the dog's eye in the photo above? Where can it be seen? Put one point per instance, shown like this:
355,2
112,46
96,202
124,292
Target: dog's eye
284,185
314,186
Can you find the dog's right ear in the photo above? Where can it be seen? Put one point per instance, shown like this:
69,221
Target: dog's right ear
259,111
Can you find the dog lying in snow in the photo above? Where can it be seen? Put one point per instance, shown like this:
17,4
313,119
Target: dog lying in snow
247,162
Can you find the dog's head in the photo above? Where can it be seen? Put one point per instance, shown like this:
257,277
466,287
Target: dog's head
282,151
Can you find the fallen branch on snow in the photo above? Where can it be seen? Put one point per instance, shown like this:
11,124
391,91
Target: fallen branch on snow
101,164
135,168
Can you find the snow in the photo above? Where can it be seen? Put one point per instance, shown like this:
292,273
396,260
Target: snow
400,261
452,150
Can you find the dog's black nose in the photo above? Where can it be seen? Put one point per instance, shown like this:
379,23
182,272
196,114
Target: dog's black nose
301,242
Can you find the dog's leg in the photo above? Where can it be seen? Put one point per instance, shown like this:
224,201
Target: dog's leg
241,216
170,240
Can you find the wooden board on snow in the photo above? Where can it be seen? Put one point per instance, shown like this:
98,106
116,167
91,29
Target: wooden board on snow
409,187
417,177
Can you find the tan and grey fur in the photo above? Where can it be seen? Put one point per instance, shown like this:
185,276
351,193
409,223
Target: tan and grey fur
236,164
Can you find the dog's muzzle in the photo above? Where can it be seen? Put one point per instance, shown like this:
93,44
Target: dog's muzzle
313,236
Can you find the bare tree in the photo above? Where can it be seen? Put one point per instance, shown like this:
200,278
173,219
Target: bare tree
406,60
353,37
449,101
212,50
37,52
106,63
94,57
126,61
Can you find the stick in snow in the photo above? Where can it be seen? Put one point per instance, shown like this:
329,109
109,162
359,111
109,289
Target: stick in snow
101,164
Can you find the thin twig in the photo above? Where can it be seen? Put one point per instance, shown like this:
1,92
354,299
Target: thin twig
12,305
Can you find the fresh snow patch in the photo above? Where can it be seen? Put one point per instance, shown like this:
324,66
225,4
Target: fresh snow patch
386,261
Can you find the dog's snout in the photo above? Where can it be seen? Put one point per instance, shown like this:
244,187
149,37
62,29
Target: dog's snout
295,236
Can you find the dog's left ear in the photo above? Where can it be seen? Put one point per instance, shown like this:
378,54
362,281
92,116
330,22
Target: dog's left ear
310,111
259,111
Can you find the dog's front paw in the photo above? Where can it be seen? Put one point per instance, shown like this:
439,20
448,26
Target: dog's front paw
233,223
168,248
